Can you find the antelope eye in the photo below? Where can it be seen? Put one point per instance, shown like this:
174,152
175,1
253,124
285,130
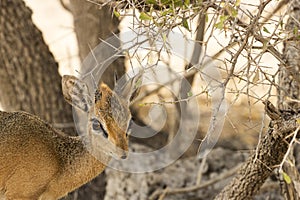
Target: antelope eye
96,125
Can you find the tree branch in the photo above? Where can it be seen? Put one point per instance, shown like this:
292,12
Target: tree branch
170,191
270,153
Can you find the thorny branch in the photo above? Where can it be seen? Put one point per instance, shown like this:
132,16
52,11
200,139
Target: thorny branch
251,29
244,35
171,191
260,165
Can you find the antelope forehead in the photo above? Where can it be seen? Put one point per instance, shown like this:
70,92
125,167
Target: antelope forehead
114,111
113,102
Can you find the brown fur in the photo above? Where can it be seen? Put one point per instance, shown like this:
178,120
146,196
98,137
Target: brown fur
38,162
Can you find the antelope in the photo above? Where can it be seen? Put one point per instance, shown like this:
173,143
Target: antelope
39,162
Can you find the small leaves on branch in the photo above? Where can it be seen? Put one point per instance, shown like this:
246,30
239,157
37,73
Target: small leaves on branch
165,14
145,16
286,178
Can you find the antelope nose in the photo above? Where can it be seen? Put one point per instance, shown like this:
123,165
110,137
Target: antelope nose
124,156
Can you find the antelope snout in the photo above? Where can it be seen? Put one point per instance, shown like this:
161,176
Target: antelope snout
124,156
119,154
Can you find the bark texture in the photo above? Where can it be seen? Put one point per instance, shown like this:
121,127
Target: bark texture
289,93
29,78
275,144
92,25
261,163
289,78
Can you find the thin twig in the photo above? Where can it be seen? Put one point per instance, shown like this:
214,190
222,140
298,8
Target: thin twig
201,169
171,191
295,133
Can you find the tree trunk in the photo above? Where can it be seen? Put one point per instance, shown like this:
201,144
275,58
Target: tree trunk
29,78
289,93
91,26
289,78
269,154
275,144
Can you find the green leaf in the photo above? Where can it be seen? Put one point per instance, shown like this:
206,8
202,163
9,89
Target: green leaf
281,24
166,2
178,3
151,2
266,30
145,16
172,3
286,178
223,18
138,83
190,93
185,24
295,31
233,12
219,25
166,12
116,13
237,2
142,104
187,2
164,36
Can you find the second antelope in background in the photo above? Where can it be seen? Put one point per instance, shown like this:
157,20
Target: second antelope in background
38,162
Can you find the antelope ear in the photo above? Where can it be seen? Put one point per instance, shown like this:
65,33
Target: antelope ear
76,93
129,89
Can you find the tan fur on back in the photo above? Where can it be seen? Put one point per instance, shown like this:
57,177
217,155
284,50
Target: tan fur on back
39,148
